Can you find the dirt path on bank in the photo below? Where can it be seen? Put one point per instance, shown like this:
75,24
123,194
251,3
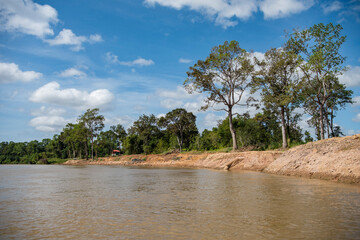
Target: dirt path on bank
336,159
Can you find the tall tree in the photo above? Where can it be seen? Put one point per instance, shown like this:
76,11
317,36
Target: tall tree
319,47
279,81
146,128
94,123
120,133
106,143
224,76
74,137
339,98
181,123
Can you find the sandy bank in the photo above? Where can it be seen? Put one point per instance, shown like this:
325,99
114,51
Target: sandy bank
336,159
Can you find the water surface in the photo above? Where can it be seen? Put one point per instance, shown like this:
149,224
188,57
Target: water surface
113,202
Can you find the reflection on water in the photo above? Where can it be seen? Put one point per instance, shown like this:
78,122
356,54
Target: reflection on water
97,202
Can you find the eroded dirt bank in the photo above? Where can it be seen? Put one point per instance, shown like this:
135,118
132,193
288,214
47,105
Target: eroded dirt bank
336,159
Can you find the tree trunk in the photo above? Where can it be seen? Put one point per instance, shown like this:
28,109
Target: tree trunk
232,130
86,150
180,144
92,147
322,134
288,132
332,122
283,127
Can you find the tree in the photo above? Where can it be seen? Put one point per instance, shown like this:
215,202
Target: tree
279,83
319,48
120,133
224,76
338,99
94,123
308,137
146,128
181,123
74,137
106,143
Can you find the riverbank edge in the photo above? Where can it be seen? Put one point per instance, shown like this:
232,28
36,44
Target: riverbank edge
334,159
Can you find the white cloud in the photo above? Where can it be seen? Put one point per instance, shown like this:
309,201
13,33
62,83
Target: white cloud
67,37
171,103
356,101
126,121
194,106
332,7
51,93
27,17
140,62
112,58
48,111
282,8
259,55
356,118
180,98
72,72
220,10
211,120
94,38
48,119
48,123
351,78
191,106
225,11
179,93
184,60
161,115
10,72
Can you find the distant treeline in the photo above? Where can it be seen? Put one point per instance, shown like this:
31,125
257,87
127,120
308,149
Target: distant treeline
151,135
304,74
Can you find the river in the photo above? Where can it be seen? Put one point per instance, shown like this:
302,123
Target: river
114,202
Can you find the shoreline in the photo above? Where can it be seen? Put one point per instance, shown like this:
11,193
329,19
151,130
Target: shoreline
334,159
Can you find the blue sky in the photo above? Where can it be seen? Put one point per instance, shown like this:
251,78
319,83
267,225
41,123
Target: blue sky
58,58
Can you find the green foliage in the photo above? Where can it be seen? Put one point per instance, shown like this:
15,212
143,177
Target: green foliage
106,143
322,63
120,134
280,86
308,137
181,124
133,144
148,132
93,123
223,76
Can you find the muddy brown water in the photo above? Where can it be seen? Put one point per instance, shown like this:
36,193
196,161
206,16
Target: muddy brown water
114,202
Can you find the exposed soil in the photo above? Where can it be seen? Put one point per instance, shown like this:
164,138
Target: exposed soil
336,159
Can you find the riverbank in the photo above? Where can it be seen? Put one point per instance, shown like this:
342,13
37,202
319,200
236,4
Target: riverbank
335,159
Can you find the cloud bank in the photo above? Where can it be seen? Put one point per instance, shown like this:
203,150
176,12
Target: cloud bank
10,72
27,17
67,37
225,11
31,18
52,94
